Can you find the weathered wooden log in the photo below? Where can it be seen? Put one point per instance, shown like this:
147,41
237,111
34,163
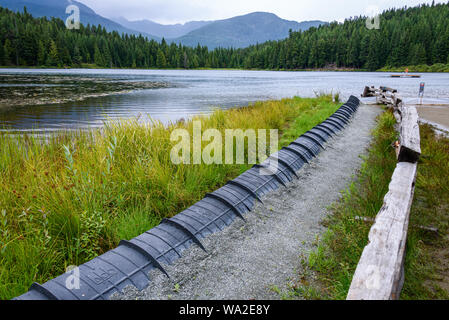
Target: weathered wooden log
385,89
397,100
410,142
384,95
394,98
397,115
379,274
385,100
368,92
424,228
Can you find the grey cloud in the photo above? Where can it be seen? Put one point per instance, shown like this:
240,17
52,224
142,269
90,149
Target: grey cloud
172,11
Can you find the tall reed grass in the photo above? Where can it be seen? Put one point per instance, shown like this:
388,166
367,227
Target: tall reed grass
67,199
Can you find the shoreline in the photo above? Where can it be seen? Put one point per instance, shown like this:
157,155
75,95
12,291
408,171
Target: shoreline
225,69
389,70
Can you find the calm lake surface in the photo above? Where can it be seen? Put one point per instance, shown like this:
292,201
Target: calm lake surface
200,92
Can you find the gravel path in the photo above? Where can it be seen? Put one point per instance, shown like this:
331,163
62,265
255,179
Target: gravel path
247,260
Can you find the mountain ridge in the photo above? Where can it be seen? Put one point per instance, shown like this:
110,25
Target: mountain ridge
237,32
57,9
245,30
168,31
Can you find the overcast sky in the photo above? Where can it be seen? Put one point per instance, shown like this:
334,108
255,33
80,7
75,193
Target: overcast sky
180,11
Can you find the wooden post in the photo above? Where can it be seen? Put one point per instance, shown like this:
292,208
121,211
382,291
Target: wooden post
410,142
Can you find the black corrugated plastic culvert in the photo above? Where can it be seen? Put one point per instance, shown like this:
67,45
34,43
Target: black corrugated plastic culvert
131,262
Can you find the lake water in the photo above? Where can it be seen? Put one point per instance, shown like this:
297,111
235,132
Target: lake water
200,92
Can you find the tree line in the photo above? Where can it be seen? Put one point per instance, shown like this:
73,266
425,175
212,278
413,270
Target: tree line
407,36
28,41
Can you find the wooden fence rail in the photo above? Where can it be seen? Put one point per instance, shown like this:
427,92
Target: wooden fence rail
380,272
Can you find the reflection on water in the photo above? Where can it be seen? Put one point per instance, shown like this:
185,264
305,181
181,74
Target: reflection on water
199,92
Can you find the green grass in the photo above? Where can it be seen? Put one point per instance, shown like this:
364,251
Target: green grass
77,195
426,272
438,67
329,268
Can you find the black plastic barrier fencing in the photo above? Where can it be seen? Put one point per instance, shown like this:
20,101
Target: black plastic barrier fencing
130,263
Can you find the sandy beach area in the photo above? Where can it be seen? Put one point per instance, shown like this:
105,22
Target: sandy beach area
435,113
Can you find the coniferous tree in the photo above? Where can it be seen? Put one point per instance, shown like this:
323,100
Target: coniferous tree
7,52
185,61
53,56
98,57
2,56
77,58
161,62
418,54
41,53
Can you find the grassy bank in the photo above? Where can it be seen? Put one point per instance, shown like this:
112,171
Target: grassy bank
76,196
329,269
438,67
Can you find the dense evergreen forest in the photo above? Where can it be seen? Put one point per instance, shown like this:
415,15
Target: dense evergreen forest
407,36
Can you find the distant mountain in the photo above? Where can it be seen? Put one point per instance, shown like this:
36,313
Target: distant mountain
57,9
161,30
237,32
243,31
